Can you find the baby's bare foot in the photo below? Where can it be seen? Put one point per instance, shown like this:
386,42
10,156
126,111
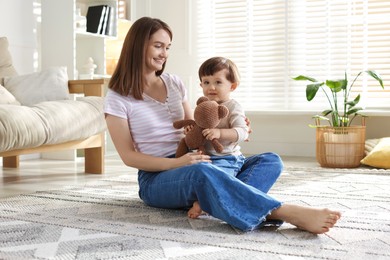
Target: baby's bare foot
195,211
314,220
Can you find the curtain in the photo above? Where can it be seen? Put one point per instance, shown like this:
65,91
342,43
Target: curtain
273,41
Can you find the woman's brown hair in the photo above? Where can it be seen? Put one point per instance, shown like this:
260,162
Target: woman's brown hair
127,78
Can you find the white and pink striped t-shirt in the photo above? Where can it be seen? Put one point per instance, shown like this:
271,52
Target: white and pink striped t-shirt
150,121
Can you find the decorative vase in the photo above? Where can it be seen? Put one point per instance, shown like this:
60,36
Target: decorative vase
88,69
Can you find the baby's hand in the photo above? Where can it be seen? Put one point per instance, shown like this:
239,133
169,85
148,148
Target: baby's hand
248,123
211,134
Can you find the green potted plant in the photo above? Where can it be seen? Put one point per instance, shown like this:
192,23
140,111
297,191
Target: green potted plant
340,144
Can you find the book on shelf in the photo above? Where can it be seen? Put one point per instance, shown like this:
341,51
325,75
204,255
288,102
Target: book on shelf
105,21
110,22
95,18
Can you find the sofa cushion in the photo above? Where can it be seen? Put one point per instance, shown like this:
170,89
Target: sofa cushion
48,85
50,122
69,120
6,97
20,128
6,67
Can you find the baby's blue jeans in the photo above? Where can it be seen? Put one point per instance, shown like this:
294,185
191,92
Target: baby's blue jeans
231,188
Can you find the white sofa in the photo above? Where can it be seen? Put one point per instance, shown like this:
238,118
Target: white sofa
38,114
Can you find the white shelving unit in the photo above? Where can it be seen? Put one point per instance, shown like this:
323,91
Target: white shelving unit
63,45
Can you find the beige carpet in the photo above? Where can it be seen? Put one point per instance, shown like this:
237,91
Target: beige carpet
106,220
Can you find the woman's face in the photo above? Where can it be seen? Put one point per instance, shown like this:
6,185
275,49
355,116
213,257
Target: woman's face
157,50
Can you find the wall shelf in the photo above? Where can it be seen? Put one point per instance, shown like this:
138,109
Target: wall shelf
59,29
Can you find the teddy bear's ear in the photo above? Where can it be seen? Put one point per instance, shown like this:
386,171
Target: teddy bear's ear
201,99
223,111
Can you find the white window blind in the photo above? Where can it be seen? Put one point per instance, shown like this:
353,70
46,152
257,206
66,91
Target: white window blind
273,41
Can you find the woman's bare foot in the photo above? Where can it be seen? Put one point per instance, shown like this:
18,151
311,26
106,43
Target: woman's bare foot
195,211
314,220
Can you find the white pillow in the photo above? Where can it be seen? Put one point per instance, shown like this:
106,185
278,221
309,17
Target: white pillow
47,85
6,97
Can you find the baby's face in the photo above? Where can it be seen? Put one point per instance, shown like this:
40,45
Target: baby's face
217,87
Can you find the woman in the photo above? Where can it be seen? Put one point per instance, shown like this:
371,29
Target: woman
140,106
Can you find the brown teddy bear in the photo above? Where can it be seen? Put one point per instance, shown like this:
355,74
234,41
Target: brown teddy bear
207,114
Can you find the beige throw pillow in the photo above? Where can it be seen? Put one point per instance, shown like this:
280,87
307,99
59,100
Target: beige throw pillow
47,85
6,67
6,97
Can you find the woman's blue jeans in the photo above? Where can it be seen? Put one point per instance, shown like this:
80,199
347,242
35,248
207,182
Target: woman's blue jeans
233,189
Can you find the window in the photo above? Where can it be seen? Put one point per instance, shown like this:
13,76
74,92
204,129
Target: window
273,41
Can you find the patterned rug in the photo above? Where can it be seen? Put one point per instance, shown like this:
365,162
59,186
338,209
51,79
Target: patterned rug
106,220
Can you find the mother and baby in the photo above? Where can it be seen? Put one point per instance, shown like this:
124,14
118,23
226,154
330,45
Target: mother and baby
140,107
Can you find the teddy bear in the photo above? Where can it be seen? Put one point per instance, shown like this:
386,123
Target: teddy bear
207,114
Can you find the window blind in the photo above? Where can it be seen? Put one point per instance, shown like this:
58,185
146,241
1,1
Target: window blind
273,41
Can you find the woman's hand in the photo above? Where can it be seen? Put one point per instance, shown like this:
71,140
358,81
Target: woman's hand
193,158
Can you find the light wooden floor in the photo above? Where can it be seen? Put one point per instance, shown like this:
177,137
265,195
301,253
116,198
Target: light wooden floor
42,174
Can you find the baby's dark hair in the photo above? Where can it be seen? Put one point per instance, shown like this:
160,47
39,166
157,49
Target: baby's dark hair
215,64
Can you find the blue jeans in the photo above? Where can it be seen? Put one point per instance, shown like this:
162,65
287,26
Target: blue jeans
229,164
234,194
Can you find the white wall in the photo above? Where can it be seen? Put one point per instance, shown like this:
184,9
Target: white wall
18,24
289,133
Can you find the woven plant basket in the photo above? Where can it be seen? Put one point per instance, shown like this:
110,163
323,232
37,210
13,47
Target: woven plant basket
340,147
